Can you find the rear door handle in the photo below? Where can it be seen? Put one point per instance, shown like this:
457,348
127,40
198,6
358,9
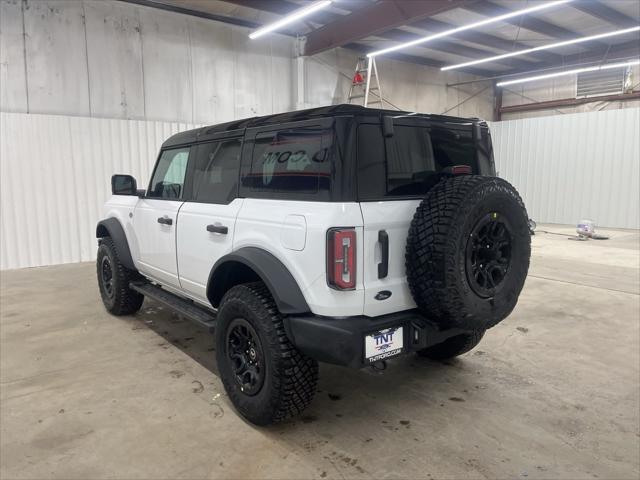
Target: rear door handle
383,266
165,220
218,229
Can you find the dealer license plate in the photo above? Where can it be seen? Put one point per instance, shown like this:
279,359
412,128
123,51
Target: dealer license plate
383,344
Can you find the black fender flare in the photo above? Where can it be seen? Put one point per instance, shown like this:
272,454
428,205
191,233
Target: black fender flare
111,227
268,268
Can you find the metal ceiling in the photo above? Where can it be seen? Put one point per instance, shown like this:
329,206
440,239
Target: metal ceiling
367,25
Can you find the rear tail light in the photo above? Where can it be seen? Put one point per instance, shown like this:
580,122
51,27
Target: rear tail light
341,258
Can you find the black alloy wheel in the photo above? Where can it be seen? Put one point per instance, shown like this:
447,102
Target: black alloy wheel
106,272
488,254
246,356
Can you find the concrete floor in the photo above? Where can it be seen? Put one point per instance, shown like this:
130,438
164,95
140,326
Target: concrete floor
552,392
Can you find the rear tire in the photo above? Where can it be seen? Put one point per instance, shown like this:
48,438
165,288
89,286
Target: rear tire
265,376
452,347
113,280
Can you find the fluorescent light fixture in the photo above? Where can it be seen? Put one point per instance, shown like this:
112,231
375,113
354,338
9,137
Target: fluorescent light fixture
446,33
569,72
292,17
543,47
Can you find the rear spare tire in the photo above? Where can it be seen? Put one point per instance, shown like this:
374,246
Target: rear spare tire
468,252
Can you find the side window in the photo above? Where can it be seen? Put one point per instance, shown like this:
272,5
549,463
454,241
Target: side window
454,147
216,171
168,178
297,160
409,160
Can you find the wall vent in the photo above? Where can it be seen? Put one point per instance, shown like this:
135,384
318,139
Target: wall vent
601,82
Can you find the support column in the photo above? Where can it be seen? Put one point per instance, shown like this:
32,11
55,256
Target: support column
299,73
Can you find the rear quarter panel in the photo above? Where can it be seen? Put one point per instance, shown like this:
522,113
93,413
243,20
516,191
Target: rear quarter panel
271,224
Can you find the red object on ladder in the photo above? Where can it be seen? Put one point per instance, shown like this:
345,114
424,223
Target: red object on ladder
361,87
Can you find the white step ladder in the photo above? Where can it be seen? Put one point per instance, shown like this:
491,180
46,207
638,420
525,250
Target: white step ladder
361,87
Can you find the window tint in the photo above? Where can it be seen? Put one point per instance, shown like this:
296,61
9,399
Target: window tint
409,160
453,147
295,160
216,171
168,178
407,164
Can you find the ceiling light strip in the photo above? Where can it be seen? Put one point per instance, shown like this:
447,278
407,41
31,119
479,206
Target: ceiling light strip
291,18
569,72
543,47
446,33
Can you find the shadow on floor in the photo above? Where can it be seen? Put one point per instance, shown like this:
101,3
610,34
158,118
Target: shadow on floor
366,394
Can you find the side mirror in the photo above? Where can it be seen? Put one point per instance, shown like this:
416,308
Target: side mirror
387,126
123,185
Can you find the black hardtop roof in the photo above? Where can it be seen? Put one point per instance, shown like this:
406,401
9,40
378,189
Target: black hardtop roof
191,136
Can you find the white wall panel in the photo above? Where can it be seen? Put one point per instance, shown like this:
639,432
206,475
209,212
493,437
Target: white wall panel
166,62
408,86
114,53
13,94
56,57
213,62
574,166
113,59
55,176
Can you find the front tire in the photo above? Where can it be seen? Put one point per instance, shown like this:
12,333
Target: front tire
265,376
454,346
113,280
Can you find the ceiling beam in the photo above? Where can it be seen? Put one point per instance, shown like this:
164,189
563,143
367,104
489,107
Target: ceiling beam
379,17
599,10
620,51
481,38
453,48
429,62
527,22
170,7
569,102
283,7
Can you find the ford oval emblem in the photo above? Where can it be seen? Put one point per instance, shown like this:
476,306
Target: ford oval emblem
382,295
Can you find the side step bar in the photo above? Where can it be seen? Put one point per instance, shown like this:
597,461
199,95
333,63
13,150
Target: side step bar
188,309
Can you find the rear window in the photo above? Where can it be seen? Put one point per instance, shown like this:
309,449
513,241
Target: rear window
296,160
407,164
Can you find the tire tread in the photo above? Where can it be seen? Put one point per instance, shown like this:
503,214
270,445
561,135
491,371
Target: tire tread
430,255
296,375
126,300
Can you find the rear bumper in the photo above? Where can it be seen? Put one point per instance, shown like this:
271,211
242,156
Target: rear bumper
341,341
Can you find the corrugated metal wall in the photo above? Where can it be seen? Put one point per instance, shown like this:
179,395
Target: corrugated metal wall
574,166
55,176
55,173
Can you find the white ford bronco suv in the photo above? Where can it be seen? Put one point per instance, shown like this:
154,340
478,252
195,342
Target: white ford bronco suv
340,234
